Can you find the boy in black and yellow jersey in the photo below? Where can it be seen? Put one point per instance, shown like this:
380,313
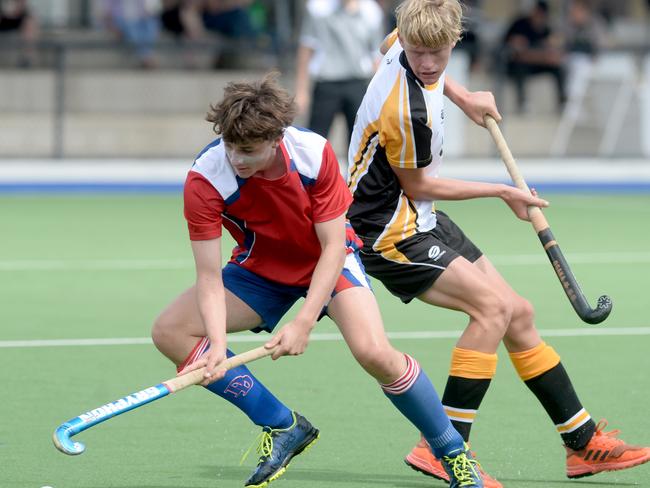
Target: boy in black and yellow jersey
417,252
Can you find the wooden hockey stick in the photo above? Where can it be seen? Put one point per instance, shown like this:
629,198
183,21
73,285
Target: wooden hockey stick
553,251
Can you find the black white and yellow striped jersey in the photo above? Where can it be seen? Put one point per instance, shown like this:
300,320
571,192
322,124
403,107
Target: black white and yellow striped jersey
399,123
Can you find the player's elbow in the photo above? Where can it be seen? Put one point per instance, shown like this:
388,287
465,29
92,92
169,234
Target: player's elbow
416,191
336,252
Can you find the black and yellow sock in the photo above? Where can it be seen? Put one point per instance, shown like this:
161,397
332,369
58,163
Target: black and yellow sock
469,378
540,368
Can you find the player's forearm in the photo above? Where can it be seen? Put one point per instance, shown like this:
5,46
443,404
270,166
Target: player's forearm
211,300
474,104
456,92
431,188
326,273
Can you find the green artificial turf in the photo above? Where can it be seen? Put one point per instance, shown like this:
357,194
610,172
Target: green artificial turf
90,266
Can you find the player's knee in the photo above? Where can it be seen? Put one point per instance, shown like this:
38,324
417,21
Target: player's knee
495,313
523,312
380,361
522,321
161,331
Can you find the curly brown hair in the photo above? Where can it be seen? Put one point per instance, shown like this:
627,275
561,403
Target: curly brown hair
250,112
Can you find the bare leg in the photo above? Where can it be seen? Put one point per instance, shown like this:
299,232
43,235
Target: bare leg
464,287
178,328
521,334
356,313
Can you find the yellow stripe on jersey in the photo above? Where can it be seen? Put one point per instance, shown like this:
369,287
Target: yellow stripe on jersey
396,126
402,225
390,136
431,87
390,39
362,160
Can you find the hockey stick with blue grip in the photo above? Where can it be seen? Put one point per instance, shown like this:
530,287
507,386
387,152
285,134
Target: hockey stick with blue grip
62,436
553,251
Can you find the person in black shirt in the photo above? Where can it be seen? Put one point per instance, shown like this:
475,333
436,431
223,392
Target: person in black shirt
17,19
531,49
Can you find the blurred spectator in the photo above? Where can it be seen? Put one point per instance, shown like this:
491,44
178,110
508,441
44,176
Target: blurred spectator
610,10
182,19
585,34
389,6
585,31
230,18
16,18
530,49
469,41
339,51
137,22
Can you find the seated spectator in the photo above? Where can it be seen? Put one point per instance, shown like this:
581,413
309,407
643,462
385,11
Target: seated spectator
530,49
585,34
230,18
137,22
15,17
585,31
182,19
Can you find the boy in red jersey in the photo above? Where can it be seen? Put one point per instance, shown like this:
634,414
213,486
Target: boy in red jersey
279,192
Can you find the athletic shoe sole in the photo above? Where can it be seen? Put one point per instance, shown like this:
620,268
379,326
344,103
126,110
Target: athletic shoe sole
420,465
584,471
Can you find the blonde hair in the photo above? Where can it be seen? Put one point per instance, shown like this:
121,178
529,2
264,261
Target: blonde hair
430,23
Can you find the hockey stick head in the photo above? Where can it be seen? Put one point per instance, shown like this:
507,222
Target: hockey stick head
600,313
62,435
63,442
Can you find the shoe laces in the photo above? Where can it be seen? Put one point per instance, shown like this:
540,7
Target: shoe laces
464,469
484,475
264,441
608,437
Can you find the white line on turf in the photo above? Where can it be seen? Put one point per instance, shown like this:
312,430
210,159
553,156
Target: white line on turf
442,334
94,265
173,264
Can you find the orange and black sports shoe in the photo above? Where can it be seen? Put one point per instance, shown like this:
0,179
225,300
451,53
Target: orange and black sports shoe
422,459
604,452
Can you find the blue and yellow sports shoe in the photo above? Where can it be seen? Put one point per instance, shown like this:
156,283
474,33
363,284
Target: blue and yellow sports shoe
277,447
463,469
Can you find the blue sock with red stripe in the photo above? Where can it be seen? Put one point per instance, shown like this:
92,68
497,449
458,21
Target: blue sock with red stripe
414,396
247,393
